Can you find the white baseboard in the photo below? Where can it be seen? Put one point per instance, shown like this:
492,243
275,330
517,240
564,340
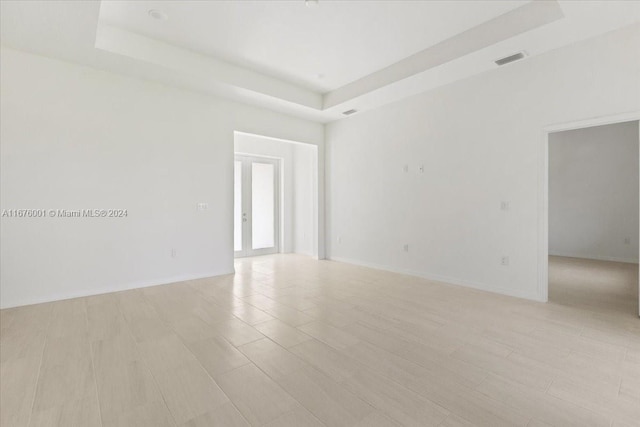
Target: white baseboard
117,288
595,257
305,253
443,279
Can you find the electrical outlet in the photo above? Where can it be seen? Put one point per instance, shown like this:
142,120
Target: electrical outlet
406,247
505,206
627,241
203,206
421,168
504,260
405,168
174,253
339,239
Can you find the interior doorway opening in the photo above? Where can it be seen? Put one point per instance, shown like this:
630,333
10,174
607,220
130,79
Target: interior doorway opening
275,196
592,216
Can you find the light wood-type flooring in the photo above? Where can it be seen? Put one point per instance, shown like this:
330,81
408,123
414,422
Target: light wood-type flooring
291,341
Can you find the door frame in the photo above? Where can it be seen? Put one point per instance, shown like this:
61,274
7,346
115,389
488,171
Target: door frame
247,160
543,190
320,243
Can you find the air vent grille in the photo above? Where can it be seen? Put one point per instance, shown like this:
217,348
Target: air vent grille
511,58
350,112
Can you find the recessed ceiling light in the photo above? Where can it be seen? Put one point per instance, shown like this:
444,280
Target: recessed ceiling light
158,14
311,3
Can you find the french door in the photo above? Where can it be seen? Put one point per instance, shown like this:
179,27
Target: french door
256,208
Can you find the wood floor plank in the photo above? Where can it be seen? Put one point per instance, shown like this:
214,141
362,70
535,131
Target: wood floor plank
125,389
66,373
401,404
257,397
330,361
327,400
281,333
376,419
18,381
543,406
217,355
296,418
523,370
153,414
236,331
189,391
250,314
84,412
271,358
455,421
165,353
329,334
225,415
19,345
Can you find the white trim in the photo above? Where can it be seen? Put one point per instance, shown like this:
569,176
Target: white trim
260,156
543,220
310,254
543,188
594,121
442,279
273,138
111,289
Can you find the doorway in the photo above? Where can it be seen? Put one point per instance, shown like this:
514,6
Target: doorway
256,207
589,215
298,226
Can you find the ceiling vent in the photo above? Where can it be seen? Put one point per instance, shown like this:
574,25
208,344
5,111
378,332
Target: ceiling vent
350,112
511,58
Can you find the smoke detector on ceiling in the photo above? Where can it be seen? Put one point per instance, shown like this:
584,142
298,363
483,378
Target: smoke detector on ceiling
511,58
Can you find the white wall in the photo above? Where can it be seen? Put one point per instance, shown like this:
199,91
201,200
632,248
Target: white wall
593,192
481,142
298,177
73,137
305,187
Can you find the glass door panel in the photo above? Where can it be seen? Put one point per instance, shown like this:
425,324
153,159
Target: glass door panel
256,207
263,202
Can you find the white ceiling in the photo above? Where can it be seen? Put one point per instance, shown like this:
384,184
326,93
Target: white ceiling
340,40
270,53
